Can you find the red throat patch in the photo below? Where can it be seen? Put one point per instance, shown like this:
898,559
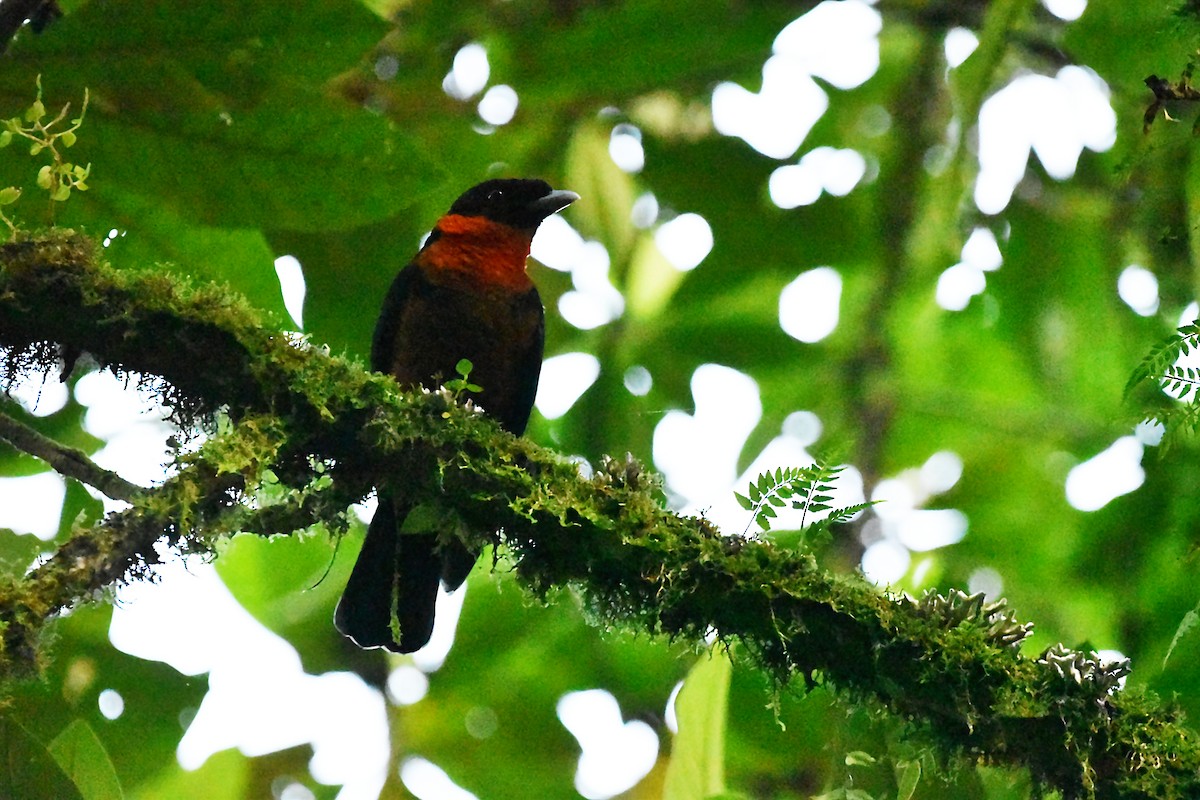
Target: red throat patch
480,250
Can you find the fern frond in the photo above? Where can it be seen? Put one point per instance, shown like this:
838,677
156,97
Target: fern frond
805,489
1160,363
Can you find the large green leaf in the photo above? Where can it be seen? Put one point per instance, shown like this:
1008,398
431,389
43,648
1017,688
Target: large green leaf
28,770
697,767
82,756
223,115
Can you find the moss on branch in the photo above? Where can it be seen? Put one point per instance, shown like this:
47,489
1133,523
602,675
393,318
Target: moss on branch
321,432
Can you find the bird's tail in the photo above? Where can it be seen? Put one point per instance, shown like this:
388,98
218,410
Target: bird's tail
404,567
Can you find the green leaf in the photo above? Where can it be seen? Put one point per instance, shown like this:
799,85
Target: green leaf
1189,621
743,501
28,770
859,758
82,756
290,584
9,195
908,775
697,766
240,258
244,156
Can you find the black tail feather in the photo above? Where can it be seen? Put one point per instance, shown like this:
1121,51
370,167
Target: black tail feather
409,563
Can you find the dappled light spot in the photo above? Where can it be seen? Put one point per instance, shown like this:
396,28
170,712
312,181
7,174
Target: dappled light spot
809,305
885,562
1149,432
803,426
131,423
32,504
638,380
481,722
594,301
900,522
427,781
556,244
824,169
41,397
776,120
1138,287
564,380
259,700
929,529
292,287
406,685
1055,117
958,45
1068,10
625,148
615,754
1106,476
114,405
469,72
445,622
895,497
499,105
645,211
986,580
387,66
958,284
685,241
1190,313
698,453
981,250
112,705
837,42
285,788
940,472
966,279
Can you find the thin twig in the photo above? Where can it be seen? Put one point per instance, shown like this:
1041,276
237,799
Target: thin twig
67,460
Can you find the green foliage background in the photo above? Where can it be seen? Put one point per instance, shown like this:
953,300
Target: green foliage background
223,135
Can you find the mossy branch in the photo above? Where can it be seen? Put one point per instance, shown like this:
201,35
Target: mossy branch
326,431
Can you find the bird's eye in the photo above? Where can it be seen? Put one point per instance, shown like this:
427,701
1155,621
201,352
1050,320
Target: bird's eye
495,194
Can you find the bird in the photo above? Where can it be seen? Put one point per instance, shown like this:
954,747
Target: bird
465,295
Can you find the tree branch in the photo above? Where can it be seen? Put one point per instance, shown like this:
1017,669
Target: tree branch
330,431
66,460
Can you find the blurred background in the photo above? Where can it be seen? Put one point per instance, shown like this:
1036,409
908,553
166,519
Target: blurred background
930,238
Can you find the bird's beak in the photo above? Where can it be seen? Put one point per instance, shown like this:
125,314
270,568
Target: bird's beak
556,201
